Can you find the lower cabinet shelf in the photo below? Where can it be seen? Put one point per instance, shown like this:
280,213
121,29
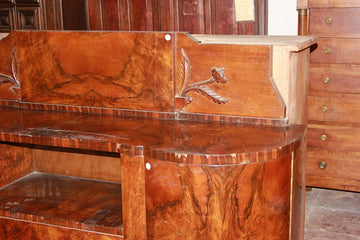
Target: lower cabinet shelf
85,206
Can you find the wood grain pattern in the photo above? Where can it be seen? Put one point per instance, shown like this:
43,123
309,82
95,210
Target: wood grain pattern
210,16
74,15
211,143
298,190
342,50
11,229
334,95
240,88
98,166
339,138
342,21
73,75
340,164
15,162
340,108
5,69
64,201
345,184
343,78
218,202
133,199
333,3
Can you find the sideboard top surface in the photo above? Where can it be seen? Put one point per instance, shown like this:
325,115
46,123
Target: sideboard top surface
176,141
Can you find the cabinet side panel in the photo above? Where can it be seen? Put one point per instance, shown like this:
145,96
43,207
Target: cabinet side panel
218,202
15,162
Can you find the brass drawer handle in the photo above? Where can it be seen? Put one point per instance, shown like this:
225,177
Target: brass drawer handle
324,109
322,165
328,20
326,80
327,50
323,137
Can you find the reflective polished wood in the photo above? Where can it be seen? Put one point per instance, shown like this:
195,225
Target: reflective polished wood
162,135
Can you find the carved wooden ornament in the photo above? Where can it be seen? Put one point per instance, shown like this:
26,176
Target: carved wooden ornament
218,75
4,79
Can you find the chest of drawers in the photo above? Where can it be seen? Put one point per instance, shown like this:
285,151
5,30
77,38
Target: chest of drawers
333,158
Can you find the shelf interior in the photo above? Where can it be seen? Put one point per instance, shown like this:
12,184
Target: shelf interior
64,201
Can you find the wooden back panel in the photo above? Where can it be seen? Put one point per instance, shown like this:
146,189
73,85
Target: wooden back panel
139,71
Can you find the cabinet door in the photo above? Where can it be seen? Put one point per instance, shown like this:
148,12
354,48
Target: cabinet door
6,19
28,17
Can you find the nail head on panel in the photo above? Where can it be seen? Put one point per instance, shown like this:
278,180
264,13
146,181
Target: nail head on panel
167,37
148,166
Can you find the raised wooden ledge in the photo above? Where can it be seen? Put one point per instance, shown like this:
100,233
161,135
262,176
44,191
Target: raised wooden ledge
174,141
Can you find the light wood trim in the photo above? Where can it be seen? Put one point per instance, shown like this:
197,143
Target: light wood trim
302,4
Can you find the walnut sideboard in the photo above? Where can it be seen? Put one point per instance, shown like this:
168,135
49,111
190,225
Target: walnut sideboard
152,135
334,98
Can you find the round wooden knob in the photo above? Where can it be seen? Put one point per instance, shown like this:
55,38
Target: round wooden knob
324,109
322,165
323,137
328,20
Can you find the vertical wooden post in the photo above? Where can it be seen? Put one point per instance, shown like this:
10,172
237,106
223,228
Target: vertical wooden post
133,194
303,22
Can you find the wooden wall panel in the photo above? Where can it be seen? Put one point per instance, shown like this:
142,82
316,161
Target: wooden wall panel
111,18
193,16
72,75
139,15
51,11
250,93
74,15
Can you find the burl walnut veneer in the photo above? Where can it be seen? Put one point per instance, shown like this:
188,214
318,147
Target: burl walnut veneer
134,135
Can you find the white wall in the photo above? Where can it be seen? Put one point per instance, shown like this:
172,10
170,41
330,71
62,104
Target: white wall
282,17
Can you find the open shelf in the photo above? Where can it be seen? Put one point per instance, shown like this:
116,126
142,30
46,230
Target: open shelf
64,201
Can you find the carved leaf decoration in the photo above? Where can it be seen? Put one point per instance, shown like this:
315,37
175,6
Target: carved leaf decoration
218,76
4,79
14,68
185,71
212,95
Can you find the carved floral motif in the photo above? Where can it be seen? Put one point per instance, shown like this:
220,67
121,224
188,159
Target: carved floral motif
218,75
4,79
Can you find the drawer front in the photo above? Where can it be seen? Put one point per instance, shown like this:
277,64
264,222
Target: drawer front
334,78
339,108
337,50
333,163
334,21
334,3
333,169
334,138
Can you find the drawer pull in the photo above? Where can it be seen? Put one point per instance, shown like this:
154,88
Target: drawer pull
326,80
327,50
322,165
328,20
323,137
324,109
